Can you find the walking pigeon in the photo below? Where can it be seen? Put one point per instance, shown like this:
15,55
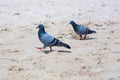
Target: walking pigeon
81,30
48,40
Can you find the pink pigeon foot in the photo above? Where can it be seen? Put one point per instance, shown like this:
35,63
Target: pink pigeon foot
39,48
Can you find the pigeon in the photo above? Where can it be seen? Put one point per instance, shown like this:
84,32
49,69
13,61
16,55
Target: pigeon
81,30
48,40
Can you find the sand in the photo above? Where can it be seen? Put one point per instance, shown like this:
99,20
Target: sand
96,58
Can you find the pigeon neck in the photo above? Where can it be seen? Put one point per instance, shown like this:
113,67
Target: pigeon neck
74,26
42,31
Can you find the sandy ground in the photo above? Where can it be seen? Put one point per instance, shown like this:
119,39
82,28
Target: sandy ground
96,58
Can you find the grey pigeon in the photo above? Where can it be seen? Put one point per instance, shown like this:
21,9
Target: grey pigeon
48,40
81,30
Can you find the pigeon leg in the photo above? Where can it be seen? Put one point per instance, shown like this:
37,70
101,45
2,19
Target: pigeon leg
85,36
80,37
39,48
50,48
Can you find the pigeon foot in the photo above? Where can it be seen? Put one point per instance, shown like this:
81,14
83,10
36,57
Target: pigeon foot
39,48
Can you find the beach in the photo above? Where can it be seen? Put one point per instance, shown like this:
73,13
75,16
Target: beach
95,58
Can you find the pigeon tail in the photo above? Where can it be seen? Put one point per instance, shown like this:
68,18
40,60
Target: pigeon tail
64,44
91,31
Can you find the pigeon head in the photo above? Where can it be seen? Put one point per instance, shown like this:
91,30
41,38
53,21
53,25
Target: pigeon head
72,23
40,26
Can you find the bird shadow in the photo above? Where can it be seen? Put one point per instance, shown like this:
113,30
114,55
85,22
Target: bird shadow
47,52
90,38
61,51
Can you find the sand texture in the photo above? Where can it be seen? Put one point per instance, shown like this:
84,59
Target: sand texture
96,58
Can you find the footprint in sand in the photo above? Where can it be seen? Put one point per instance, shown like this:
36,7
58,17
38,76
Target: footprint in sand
65,74
98,25
11,51
103,5
111,31
16,14
118,60
109,23
16,68
5,30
